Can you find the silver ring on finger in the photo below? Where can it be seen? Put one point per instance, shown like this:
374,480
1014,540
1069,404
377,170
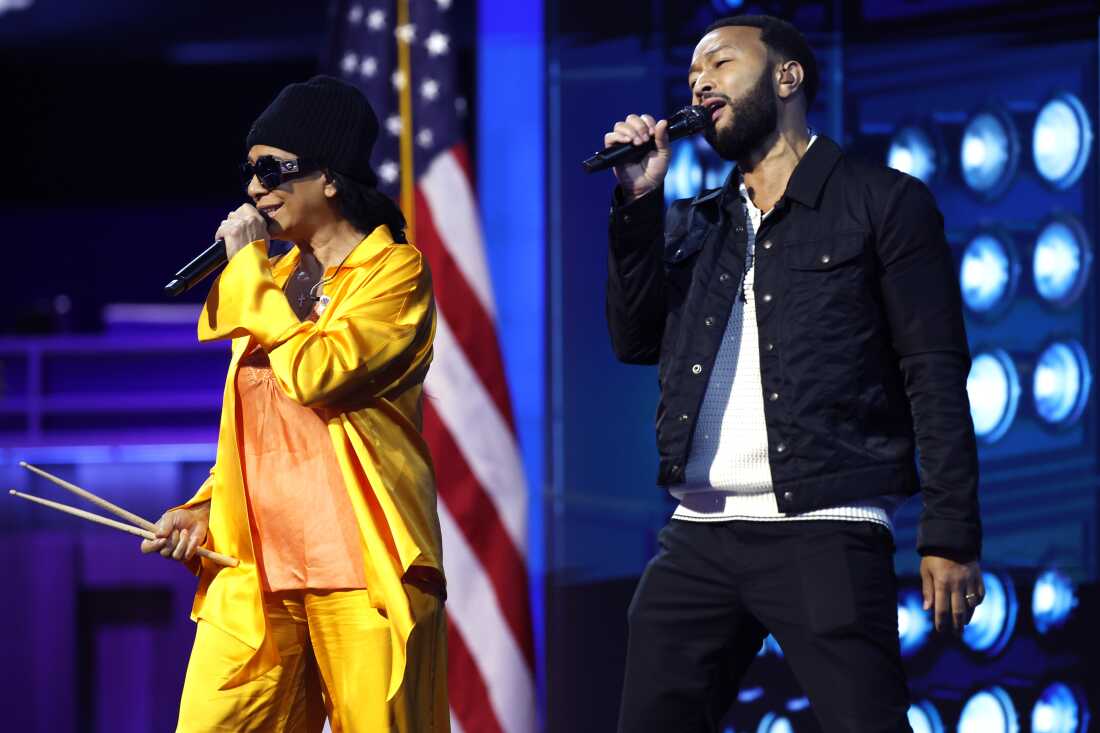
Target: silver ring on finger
973,599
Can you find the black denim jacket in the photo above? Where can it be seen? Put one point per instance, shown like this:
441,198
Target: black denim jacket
863,352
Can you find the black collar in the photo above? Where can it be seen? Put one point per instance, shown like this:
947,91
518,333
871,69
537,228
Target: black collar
807,180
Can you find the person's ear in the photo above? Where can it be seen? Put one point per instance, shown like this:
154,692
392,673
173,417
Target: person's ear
330,190
789,78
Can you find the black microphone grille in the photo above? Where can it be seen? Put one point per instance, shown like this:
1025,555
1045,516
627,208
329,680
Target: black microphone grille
689,120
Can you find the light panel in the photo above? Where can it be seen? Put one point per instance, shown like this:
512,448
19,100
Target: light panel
914,625
1059,710
1061,261
988,273
994,390
1061,383
924,718
989,711
993,622
989,152
685,174
774,723
913,151
1061,140
1052,600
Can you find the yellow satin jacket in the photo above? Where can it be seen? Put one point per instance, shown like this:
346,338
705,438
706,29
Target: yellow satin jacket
362,366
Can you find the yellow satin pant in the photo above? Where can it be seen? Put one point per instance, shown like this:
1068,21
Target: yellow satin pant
335,650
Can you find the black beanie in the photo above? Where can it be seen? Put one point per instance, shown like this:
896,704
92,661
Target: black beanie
325,119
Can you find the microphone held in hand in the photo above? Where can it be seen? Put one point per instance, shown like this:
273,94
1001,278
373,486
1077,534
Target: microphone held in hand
198,269
688,121
202,266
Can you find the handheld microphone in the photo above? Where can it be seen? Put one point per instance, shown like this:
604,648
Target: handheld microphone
202,266
687,121
197,269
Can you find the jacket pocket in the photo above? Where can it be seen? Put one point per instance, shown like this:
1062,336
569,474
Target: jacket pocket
824,255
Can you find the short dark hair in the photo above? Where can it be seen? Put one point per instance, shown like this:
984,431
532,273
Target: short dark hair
784,40
366,207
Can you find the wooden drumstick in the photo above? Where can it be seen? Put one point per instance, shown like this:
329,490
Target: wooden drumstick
216,557
89,496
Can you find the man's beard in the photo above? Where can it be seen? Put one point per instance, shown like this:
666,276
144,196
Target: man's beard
755,116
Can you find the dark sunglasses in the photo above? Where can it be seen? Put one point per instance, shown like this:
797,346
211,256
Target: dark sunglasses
271,171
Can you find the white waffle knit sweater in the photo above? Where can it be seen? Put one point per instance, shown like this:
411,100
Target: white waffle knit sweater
728,475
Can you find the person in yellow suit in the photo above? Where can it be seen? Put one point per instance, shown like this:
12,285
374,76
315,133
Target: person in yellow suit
322,487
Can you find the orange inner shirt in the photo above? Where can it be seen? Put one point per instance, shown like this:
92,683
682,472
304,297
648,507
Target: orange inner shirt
304,527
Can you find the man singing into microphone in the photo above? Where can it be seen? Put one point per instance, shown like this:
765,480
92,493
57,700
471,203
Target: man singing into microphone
322,486
807,323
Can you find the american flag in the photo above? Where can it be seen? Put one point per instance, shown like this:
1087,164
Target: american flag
402,54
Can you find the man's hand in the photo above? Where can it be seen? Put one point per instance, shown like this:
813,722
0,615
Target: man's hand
180,532
638,179
952,590
242,227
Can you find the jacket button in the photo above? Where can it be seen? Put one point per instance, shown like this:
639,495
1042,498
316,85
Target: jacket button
767,244
767,297
825,259
679,252
696,368
781,448
684,418
626,218
788,496
675,467
708,321
770,347
724,277
773,396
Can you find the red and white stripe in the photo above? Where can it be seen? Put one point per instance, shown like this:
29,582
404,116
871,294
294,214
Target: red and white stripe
469,427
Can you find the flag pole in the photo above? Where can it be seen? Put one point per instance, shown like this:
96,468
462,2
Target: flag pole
408,182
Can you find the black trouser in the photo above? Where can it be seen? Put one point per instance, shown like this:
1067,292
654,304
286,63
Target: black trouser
825,589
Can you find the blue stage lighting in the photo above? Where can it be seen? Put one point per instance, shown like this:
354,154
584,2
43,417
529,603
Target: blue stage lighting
1061,140
773,723
770,646
685,175
1059,710
988,273
989,711
995,619
715,176
913,151
1052,600
994,389
989,153
724,6
913,622
1061,383
1062,260
924,718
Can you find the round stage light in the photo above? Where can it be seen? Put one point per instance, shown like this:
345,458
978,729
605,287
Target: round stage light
1061,383
989,711
1052,600
685,175
772,723
1061,262
1059,710
913,622
913,151
988,273
989,153
1061,140
994,620
994,390
924,718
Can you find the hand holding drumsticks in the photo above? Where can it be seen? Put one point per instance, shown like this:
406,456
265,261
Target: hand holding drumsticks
178,534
